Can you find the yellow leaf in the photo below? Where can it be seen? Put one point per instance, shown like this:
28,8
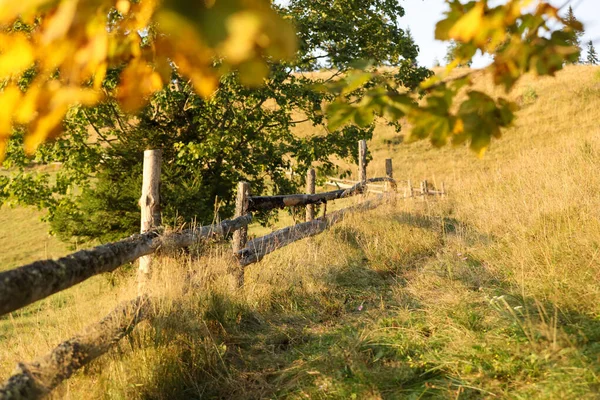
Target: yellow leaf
481,152
253,72
99,75
244,29
142,12
204,82
3,143
47,126
17,55
68,96
9,98
59,23
467,27
123,6
11,9
459,127
138,81
28,107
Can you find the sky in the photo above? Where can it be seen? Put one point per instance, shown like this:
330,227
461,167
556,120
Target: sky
422,15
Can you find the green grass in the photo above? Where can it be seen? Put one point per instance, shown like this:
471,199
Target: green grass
25,238
491,293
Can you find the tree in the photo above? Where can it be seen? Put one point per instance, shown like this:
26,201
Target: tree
239,133
592,56
453,53
574,34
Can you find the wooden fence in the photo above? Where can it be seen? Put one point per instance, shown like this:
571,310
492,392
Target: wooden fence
25,285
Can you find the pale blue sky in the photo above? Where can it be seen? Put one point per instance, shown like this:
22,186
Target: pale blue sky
422,15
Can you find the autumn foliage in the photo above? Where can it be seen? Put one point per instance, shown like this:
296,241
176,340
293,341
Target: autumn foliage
65,49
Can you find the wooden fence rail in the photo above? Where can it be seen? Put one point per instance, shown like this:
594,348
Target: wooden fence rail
30,283
262,203
258,248
36,379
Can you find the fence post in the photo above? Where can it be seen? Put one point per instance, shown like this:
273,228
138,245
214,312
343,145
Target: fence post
411,192
150,206
424,190
362,161
241,235
443,190
389,172
310,189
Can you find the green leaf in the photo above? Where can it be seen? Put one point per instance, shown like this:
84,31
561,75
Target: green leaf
338,114
363,116
355,81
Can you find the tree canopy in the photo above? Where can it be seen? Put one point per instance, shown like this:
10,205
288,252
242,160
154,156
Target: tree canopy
575,39
592,56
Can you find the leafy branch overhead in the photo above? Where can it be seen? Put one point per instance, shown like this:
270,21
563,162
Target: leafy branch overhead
56,54
520,41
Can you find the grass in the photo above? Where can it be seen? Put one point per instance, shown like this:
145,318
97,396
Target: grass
491,293
25,238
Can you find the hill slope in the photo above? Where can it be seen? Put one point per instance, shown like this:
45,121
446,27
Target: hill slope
491,293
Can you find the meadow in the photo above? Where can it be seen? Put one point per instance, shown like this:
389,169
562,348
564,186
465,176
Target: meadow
492,292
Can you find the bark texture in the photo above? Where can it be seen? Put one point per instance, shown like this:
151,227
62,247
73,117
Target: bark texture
259,203
25,285
310,189
362,160
36,379
258,248
150,205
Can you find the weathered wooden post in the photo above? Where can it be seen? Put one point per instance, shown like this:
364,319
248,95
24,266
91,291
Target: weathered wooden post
443,190
424,190
389,172
150,206
240,237
411,192
362,161
310,189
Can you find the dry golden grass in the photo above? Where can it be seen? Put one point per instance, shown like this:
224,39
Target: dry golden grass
492,292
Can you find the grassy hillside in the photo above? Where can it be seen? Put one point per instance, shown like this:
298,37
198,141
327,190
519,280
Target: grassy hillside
492,293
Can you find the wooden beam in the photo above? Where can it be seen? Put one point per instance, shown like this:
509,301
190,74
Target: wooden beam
310,189
260,247
240,237
150,206
271,202
258,203
339,185
389,172
27,284
362,161
36,379
343,180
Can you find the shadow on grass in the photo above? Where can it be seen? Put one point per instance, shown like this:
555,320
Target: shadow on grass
356,338
300,345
